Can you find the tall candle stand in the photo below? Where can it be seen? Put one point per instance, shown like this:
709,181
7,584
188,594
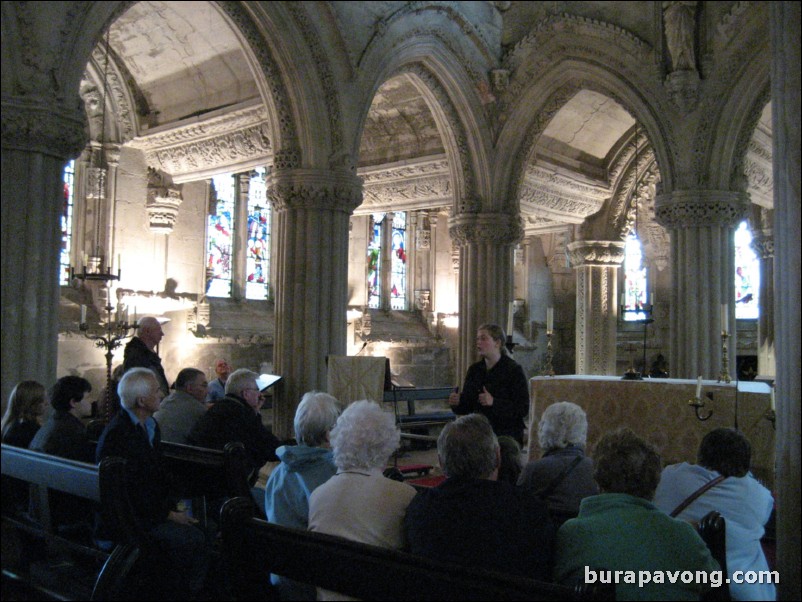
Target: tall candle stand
114,332
646,311
548,369
724,375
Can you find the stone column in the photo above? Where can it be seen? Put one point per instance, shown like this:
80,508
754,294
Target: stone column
39,136
313,208
386,270
763,242
785,98
596,264
240,242
701,224
485,241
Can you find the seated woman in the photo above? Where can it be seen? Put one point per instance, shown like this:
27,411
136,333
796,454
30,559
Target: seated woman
359,502
621,530
743,502
563,476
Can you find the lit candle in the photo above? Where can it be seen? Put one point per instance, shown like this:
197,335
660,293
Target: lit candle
119,261
773,407
549,319
134,314
509,319
623,300
699,387
83,314
651,300
725,318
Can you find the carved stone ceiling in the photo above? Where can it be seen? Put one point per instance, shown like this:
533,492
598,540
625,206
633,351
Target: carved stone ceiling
183,57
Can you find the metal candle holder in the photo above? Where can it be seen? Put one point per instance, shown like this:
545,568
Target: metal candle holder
548,370
697,403
724,375
647,310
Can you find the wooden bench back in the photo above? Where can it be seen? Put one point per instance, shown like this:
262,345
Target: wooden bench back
253,548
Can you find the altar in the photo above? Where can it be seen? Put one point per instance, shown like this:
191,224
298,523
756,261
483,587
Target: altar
657,410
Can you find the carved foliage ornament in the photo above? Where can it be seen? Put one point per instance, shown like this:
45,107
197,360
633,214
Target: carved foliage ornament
596,253
307,189
701,209
495,228
163,202
37,125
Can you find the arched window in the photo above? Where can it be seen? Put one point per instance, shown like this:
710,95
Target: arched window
634,297
225,235
68,200
747,275
398,288
374,260
396,239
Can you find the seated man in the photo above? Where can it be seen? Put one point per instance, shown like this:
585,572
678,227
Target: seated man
64,434
236,417
303,468
217,388
474,520
621,530
134,435
743,502
181,409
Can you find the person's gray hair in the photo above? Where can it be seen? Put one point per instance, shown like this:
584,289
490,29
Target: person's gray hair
562,424
315,416
468,448
135,383
239,380
364,437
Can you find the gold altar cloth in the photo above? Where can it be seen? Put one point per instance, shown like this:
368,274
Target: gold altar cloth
657,410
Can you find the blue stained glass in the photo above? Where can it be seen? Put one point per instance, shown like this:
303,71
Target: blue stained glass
68,201
398,290
635,280
374,261
747,276
257,259
221,239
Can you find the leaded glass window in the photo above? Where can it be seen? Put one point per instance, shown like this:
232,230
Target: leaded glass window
747,275
220,235
635,280
68,200
398,288
374,261
258,254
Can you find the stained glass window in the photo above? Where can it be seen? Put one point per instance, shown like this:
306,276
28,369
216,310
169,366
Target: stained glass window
747,275
68,199
635,280
257,260
374,261
398,287
220,233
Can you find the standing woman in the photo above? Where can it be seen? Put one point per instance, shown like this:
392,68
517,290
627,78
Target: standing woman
495,386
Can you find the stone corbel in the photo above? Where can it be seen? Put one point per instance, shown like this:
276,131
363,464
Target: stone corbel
162,203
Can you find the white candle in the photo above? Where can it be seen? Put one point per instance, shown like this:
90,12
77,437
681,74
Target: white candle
134,314
509,318
549,319
651,301
83,314
773,407
725,318
699,387
623,299
119,261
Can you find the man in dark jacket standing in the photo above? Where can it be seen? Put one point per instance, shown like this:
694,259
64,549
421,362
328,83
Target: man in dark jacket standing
140,352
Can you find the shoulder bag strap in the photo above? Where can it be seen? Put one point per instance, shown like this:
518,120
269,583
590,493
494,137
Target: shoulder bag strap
691,498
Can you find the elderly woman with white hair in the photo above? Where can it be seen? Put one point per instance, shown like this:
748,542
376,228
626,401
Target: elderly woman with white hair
359,502
563,476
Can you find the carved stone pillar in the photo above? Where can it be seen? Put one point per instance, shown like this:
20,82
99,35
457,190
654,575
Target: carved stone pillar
39,135
763,243
313,208
785,99
596,264
386,272
240,242
485,242
701,224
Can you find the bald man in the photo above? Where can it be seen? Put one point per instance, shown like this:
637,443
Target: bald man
140,352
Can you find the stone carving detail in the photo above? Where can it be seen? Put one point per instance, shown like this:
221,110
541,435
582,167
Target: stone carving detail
163,202
204,311
312,189
764,245
422,299
455,255
408,187
689,209
37,125
495,228
423,232
121,111
596,253
550,194
96,183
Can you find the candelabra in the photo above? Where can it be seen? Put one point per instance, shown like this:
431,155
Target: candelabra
113,333
724,375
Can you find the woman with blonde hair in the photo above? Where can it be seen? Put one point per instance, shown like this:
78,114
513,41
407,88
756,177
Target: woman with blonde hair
23,413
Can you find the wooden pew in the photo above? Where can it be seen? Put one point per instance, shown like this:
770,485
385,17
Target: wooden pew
253,548
712,529
35,557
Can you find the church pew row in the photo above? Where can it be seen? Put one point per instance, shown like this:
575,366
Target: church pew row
253,548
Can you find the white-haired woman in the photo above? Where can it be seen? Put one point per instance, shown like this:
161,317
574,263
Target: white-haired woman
563,476
359,502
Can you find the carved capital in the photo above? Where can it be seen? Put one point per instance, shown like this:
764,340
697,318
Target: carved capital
764,245
162,204
42,126
496,228
605,253
700,208
314,189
